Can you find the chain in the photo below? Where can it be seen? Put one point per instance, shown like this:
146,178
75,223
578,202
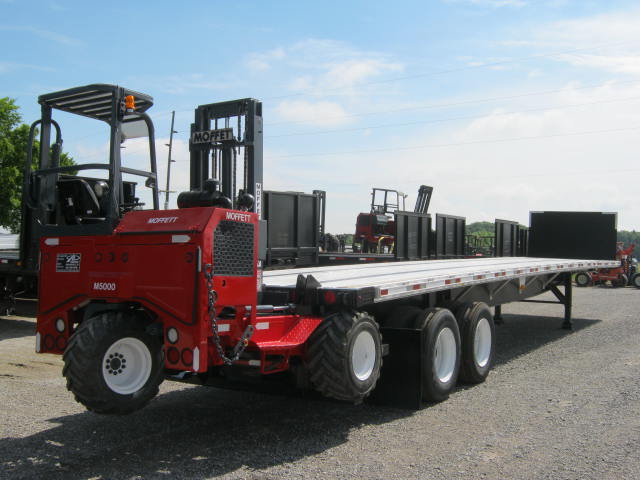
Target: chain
244,339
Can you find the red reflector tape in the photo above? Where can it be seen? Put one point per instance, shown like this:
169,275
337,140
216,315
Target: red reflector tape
384,292
458,280
416,286
479,277
447,282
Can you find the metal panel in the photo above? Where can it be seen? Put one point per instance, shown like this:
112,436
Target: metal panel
293,227
573,235
506,244
405,279
450,231
413,232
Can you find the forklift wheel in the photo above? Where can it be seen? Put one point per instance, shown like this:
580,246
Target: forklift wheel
112,364
582,279
635,280
344,356
621,281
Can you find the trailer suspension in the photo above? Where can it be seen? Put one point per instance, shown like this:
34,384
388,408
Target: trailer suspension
244,339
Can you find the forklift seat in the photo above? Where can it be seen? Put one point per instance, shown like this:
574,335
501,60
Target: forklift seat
79,202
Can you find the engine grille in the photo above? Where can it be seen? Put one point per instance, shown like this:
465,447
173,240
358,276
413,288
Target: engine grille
233,249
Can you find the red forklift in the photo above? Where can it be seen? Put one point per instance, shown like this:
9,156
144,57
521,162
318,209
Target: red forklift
375,231
625,274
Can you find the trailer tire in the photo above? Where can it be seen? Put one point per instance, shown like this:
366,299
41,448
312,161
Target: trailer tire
477,332
344,356
440,353
104,346
582,279
635,280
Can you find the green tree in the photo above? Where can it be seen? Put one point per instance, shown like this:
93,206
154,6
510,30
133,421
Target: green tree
14,136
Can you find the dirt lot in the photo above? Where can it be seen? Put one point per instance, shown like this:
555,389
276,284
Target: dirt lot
558,405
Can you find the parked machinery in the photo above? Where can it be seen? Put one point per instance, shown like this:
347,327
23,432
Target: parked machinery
376,230
181,295
625,274
58,200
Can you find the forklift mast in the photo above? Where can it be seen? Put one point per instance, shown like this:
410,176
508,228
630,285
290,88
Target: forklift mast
222,133
423,200
56,200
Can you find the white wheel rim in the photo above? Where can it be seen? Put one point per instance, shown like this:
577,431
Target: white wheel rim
126,366
482,343
363,355
445,355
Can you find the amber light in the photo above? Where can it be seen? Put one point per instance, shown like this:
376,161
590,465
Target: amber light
130,102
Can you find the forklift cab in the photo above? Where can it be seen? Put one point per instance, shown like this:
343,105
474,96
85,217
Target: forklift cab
60,200
385,201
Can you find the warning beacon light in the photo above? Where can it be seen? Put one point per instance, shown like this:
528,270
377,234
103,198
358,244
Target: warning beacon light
130,103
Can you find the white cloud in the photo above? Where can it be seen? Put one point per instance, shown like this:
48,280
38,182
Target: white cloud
322,113
318,65
629,64
45,34
606,42
6,67
259,62
350,73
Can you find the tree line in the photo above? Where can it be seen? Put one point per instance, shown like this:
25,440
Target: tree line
14,138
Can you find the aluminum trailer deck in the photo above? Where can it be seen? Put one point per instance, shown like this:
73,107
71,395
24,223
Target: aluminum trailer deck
406,279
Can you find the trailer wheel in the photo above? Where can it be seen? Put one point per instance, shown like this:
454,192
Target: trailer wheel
344,356
477,331
440,353
621,281
635,280
582,279
112,365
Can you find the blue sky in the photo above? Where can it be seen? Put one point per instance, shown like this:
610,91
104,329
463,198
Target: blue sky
504,106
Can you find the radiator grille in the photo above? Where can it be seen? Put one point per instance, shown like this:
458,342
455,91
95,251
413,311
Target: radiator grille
233,249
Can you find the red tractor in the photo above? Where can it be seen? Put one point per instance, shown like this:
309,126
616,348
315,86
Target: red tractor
376,230
625,274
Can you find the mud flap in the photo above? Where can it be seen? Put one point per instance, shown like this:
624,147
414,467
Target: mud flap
400,383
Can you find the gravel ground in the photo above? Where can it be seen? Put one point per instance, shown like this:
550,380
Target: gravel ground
557,405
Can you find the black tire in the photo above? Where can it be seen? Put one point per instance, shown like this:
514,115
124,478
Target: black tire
477,332
333,370
635,280
403,316
621,281
92,375
582,279
440,367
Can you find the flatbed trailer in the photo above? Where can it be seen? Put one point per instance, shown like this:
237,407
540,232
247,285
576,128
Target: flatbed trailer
460,278
180,294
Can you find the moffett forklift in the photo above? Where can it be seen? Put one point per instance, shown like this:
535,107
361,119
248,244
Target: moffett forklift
625,274
375,231
58,200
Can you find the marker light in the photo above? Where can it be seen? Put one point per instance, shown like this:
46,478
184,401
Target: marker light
60,325
172,335
130,102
